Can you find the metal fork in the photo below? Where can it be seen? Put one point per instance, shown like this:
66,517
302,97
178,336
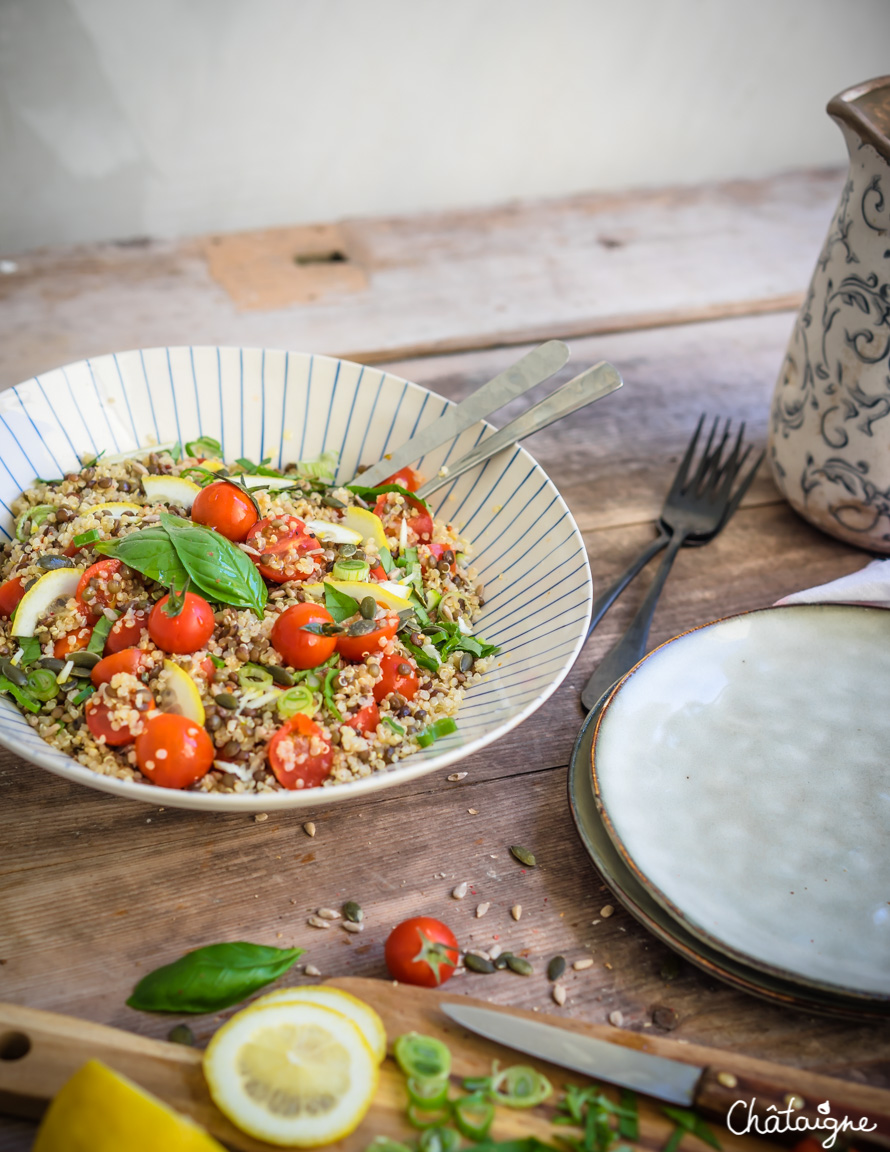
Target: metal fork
696,508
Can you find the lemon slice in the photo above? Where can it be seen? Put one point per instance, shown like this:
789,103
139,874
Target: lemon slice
42,598
368,526
361,1014
170,490
359,589
99,1111
333,533
179,693
115,508
291,1073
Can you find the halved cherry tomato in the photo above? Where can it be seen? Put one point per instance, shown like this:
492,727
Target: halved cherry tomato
131,660
10,593
438,550
126,632
285,546
226,508
421,523
299,754
405,478
421,951
98,718
365,720
173,751
394,678
91,588
75,640
378,573
299,648
186,632
356,648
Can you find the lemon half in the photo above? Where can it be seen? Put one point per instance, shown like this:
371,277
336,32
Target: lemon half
361,1014
291,1073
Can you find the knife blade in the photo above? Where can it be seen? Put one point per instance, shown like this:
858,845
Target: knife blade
533,368
740,1101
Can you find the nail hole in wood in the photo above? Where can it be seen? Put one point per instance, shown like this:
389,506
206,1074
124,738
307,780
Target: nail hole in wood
332,257
14,1045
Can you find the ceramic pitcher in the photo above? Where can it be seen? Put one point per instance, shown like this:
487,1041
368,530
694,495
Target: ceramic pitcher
830,420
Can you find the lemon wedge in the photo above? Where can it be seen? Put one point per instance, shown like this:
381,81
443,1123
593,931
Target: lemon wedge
179,693
361,1014
359,589
295,1074
99,1111
368,526
170,490
334,533
50,592
115,508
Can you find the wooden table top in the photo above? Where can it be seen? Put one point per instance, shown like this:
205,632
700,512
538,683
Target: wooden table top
691,293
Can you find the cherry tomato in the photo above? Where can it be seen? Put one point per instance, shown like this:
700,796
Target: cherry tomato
356,648
394,678
10,593
226,508
186,632
365,721
173,751
92,589
421,523
98,718
299,754
301,649
131,660
75,640
378,573
126,632
421,951
287,549
437,551
405,478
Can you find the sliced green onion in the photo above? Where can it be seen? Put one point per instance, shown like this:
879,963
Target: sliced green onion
84,694
474,1116
297,699
385,1144
422,1057
42,684
33,516
438,1140
202,448
24,697
84,538
386,561
520,1086
394,724
440,728
217,661
353,570
253,677
328,692
427,1093
421,1118
100,635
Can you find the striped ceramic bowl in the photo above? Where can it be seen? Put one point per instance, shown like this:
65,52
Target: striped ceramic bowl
290,406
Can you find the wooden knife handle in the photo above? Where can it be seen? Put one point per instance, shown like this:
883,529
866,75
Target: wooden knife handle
760,1106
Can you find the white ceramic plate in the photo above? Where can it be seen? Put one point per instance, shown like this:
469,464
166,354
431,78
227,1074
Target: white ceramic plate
291,406
742,772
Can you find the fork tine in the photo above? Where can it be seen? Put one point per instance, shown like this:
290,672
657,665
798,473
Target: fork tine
744,484
726,473
710,471
682,474
709,457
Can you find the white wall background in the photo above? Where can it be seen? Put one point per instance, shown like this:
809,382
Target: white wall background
168,117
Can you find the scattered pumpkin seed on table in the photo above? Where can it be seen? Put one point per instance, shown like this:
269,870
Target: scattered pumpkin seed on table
522,855
556,967
353,912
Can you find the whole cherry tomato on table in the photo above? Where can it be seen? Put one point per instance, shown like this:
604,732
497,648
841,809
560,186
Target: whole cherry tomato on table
284,546
299,755
173,751
186,632
397,675
299,648
355,648
421,951
10,593
226,508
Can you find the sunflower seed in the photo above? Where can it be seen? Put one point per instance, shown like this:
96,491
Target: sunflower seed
519,965
309,828
494,951
455,776
607,911
522,855
353,925
516,911
311,970
353,912
616,1019
317,922
556,967
481,909
327,913
478,963
580,965
559,994
460,891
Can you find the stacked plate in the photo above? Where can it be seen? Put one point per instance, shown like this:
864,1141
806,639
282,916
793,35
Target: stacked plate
734,792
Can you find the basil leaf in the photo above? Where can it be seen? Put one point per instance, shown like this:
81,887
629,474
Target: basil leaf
386,561
340,606
203,447
31,650
420,656
99,636
211,978
215,566
151,552
371,494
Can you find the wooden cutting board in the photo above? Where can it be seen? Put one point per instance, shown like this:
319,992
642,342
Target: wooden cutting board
58,1045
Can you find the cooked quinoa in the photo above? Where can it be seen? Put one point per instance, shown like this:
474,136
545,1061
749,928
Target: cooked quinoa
247,690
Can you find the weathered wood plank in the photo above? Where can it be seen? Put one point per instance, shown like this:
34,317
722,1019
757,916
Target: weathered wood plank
440,282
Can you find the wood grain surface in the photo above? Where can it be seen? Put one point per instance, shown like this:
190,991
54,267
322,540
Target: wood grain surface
95,891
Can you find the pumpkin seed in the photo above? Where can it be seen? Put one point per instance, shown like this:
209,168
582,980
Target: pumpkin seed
50,562
478,963
556,967
81,673
361,627
280,675
368,607
522,855
84,659
332,502
51,663
353,912
182,1034
346,550
226,700
500,961
13,673
519,965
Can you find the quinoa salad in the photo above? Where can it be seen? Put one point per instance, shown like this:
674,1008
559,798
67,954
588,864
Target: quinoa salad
174,620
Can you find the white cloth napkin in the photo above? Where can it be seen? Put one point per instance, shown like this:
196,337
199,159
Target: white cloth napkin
870,585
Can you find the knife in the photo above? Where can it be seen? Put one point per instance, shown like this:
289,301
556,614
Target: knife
731,1096
533,368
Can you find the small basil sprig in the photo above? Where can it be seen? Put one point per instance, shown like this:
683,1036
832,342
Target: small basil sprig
369,495
340,605
151,552
212,978
215,566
